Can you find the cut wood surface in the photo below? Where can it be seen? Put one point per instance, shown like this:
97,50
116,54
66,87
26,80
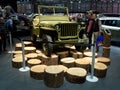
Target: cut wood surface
90,59
32,62
37,72
38,51
54,76
63,54
27,43
76,54
17,62
18,46
104,60
53,60
17,52
100,70
83,63
31,56
89,54
68,62
29,49
76,75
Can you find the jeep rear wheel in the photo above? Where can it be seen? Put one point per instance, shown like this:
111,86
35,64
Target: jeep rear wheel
47,46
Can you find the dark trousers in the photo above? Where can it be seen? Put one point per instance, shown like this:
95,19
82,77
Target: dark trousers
90,40
3,43
0,45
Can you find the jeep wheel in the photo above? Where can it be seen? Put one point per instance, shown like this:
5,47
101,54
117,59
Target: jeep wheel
47,47
34,38
80,48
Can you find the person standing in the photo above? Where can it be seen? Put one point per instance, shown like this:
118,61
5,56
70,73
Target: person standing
96,29
89,27
3,35
9,26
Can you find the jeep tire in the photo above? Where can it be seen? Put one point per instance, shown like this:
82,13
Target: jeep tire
47,46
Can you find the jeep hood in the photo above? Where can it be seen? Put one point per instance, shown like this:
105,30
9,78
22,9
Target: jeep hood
53,23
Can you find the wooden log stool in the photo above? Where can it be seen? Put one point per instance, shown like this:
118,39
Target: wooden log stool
100,70
37,72
83,63
64,68
54,76
18,55
53,60
30,49
18,46
68,62
17,52
39,56
17,62
104,60
76,54
38,51
62,54
106,52
89,59
76,75
89,54
27,43
33,62
107,38
31,56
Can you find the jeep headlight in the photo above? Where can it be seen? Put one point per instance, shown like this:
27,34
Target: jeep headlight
79,27
57,27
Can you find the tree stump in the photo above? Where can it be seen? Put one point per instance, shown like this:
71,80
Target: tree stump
68,62
64,68
38,51
89,59
18,46
62,54
33,62
89,54
76,54
29,49
100,70
53,60
104,60
17,62
31,56
106,52
17,52
28,43
54,76
18,55
37,72
83,63
76,75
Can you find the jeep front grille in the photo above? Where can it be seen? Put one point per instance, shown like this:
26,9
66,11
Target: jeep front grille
68,30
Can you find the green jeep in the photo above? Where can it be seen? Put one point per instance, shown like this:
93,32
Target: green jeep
53,26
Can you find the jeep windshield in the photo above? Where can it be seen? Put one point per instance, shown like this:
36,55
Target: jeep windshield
53,13
52,10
